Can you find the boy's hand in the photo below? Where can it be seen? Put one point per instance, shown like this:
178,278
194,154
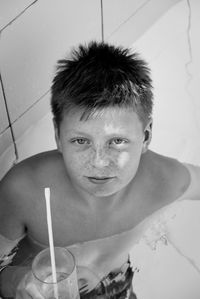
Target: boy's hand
18,282
10,278
27,288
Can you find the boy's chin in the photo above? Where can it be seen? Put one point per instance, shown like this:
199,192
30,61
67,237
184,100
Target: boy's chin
103,193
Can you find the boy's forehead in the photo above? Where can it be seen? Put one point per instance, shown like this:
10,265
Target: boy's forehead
109,120
84,115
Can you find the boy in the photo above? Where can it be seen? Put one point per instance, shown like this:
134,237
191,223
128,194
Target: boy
104,180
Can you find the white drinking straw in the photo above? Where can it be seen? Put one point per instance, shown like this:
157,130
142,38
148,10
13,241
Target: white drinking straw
51,243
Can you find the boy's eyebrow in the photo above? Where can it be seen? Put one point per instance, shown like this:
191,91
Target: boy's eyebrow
77,132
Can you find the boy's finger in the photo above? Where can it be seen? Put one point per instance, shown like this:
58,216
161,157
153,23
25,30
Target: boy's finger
32,290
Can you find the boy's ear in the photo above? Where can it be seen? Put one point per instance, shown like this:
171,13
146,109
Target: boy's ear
56,132
147,136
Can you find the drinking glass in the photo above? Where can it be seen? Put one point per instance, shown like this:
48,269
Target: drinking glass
67,285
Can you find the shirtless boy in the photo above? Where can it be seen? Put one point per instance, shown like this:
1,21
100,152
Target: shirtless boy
103,178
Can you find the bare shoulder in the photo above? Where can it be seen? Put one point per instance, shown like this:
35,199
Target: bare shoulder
31,171
20,188
174,175
173,168
33,168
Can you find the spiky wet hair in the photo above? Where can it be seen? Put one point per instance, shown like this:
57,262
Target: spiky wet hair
98,76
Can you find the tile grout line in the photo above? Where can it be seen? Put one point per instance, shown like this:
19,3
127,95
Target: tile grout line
30,107
15,18
132,15
9,120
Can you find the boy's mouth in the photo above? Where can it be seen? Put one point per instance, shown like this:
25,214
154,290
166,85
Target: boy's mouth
100,180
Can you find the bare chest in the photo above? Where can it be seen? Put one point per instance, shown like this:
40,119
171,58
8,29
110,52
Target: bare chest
73,223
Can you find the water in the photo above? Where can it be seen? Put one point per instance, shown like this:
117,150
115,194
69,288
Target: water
67,288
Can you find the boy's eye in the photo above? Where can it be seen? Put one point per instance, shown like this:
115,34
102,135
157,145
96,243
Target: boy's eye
118,141
80,141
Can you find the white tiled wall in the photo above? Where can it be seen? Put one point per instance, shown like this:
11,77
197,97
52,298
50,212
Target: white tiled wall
3,115
122,13
7,155
11,9
131,19
31,116
38,138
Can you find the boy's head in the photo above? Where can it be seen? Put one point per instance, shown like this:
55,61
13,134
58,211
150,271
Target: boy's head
98,76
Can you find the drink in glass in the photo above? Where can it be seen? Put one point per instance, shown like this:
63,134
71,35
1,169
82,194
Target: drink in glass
67,285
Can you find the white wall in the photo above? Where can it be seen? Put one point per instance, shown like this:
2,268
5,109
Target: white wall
166,46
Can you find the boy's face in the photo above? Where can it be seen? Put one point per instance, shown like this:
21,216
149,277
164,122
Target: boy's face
101,154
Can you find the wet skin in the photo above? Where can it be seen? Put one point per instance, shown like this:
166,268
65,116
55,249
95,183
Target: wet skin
102,153
103,181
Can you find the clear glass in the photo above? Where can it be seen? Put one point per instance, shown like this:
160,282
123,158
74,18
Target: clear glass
67,285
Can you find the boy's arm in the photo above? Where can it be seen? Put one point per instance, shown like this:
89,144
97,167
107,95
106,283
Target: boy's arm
10,275
12,231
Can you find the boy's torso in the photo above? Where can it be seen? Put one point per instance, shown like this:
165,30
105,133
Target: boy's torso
74,221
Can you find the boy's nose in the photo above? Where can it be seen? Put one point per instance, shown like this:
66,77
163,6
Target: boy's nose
100,159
